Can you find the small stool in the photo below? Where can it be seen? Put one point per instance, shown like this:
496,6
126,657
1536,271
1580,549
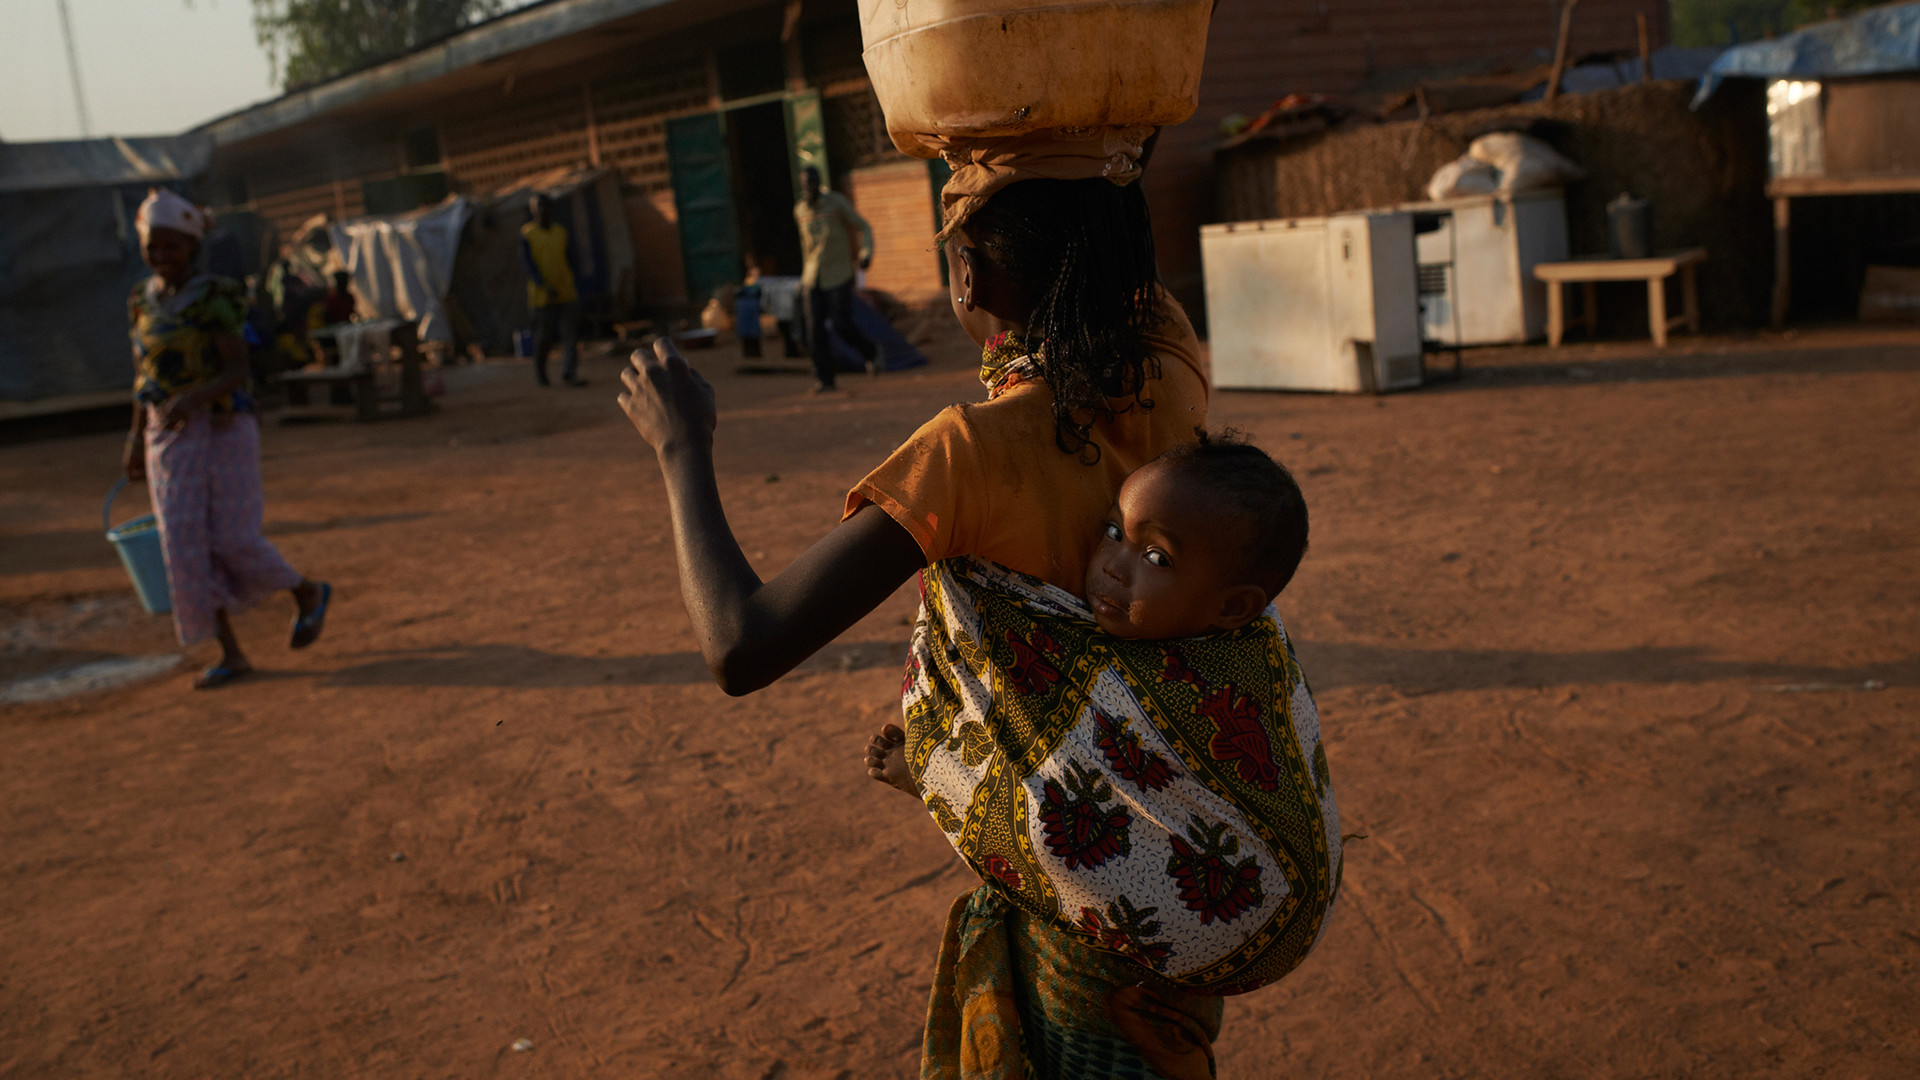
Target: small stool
1655,271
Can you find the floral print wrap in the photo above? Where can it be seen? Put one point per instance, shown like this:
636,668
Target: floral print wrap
173,337
1168,801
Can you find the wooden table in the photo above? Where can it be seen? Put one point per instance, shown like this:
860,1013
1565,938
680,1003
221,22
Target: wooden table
1785,189
1590,271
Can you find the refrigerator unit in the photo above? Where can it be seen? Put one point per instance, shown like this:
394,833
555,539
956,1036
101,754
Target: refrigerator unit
1313,303
1477,254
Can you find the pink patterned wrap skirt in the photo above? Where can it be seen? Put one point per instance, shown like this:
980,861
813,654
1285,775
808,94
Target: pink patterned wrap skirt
204,478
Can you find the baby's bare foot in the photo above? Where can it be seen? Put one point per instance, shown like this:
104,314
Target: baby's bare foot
887,759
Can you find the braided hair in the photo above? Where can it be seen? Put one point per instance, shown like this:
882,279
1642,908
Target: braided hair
1081,253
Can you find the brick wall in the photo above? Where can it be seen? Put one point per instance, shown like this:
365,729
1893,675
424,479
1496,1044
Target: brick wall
289,209
897,200
631,114
659,270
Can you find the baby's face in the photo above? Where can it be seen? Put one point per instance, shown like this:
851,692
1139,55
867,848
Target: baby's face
1166,564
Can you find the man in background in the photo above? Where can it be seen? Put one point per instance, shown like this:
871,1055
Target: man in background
551,294
834,239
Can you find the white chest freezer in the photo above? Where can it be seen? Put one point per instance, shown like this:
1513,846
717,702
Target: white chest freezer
1313,303
1476,266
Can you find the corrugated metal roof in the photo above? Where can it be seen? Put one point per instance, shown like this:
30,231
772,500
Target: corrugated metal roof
492,40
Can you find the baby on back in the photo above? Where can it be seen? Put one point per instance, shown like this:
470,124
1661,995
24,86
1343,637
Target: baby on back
1199,541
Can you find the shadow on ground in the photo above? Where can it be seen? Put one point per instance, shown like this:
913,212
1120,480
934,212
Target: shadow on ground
520,665
87,549
1850,359
1334,665
1329,666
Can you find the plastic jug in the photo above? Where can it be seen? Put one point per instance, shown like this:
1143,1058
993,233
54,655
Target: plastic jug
1006,67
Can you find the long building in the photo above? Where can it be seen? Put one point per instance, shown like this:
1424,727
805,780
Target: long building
706,107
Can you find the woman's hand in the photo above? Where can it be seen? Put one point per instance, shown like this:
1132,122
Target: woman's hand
670,405
177,410
136,458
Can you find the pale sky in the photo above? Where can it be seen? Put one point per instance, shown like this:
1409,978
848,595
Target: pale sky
149,67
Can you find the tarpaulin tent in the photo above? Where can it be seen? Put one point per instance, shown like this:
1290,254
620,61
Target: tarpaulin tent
1878,41
402,265
68,258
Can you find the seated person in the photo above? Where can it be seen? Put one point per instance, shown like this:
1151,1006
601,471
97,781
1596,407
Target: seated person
337,306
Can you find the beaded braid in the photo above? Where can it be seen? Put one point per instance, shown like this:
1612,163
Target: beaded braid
1082,252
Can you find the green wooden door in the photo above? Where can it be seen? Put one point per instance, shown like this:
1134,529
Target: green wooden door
807,137
703,195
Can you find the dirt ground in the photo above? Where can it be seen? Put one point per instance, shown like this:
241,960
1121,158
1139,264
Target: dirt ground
1618,654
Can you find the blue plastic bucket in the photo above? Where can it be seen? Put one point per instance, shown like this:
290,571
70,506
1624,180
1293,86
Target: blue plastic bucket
523,344
138,542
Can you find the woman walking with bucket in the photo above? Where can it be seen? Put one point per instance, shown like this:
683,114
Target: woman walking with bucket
196,440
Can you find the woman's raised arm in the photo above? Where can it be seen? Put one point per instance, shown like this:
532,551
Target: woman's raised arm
752,632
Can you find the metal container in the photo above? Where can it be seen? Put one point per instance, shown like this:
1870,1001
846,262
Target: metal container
1329,304
1630,228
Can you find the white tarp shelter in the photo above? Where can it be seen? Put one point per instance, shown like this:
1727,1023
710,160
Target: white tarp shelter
402,265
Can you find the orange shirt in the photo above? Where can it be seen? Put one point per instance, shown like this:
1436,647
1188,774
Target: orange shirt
989,480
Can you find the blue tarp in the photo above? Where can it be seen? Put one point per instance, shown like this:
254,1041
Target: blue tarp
1880,41
896,352
1672,62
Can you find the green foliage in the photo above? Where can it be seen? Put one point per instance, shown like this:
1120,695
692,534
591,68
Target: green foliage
1728,22
310,41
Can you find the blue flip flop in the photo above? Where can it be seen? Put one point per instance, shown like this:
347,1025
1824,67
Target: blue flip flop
306,628
219,675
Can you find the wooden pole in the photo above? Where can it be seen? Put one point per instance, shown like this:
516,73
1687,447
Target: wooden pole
1782,260
593,125
1560,49
1646,50
790,45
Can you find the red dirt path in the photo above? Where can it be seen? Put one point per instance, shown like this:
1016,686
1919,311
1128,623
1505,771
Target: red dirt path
1589,633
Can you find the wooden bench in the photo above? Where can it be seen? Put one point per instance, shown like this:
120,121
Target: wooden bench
357,380
1655,271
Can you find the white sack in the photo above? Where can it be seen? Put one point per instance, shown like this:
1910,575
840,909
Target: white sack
1464,175
1524,162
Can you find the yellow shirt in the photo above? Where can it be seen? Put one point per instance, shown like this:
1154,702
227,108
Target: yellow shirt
827,231
989,480
547,250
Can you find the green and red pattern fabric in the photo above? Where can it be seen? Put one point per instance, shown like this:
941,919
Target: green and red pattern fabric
1166,801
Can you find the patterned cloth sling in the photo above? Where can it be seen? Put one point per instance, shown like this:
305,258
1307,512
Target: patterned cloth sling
1167,801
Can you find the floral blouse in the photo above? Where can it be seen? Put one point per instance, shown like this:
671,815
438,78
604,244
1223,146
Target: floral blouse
173,337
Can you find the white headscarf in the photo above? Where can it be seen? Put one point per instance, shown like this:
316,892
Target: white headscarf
162,209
